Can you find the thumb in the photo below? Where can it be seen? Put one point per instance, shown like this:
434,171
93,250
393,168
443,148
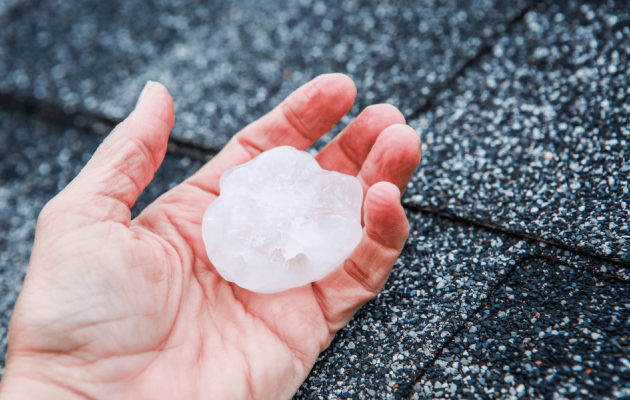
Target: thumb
124,164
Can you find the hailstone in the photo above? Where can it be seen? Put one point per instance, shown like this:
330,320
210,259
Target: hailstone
281,221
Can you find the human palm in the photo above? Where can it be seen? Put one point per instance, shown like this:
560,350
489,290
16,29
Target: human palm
119,308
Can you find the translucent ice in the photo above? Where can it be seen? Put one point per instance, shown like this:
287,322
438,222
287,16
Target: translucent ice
281,221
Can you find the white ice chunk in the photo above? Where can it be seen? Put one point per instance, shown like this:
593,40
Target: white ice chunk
281,221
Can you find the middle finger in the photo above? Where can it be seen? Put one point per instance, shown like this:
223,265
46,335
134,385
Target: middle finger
347,152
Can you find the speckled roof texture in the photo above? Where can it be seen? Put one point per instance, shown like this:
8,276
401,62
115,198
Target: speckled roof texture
514,280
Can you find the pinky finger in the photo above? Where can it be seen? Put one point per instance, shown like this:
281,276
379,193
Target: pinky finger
364,273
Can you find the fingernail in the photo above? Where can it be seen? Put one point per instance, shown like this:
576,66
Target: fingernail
145,90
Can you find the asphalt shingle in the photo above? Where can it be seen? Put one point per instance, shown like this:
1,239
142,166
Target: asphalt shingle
551,331
227,63
444,274
533,137
513,282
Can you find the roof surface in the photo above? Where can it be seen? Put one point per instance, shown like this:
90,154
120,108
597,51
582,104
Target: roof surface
514,280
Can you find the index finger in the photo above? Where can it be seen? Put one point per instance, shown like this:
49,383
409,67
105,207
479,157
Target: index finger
298,121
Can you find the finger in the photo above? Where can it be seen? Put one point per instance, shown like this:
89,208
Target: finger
347,152
363,274
393,158
298,121
125,162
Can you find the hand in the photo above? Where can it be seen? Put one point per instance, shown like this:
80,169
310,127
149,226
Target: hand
122,309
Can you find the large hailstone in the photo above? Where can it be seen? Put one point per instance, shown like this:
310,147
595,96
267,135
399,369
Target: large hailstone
281,221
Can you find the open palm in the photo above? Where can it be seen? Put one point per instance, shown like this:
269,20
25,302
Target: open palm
115,308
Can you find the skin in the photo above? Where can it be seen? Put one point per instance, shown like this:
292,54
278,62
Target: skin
133,309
